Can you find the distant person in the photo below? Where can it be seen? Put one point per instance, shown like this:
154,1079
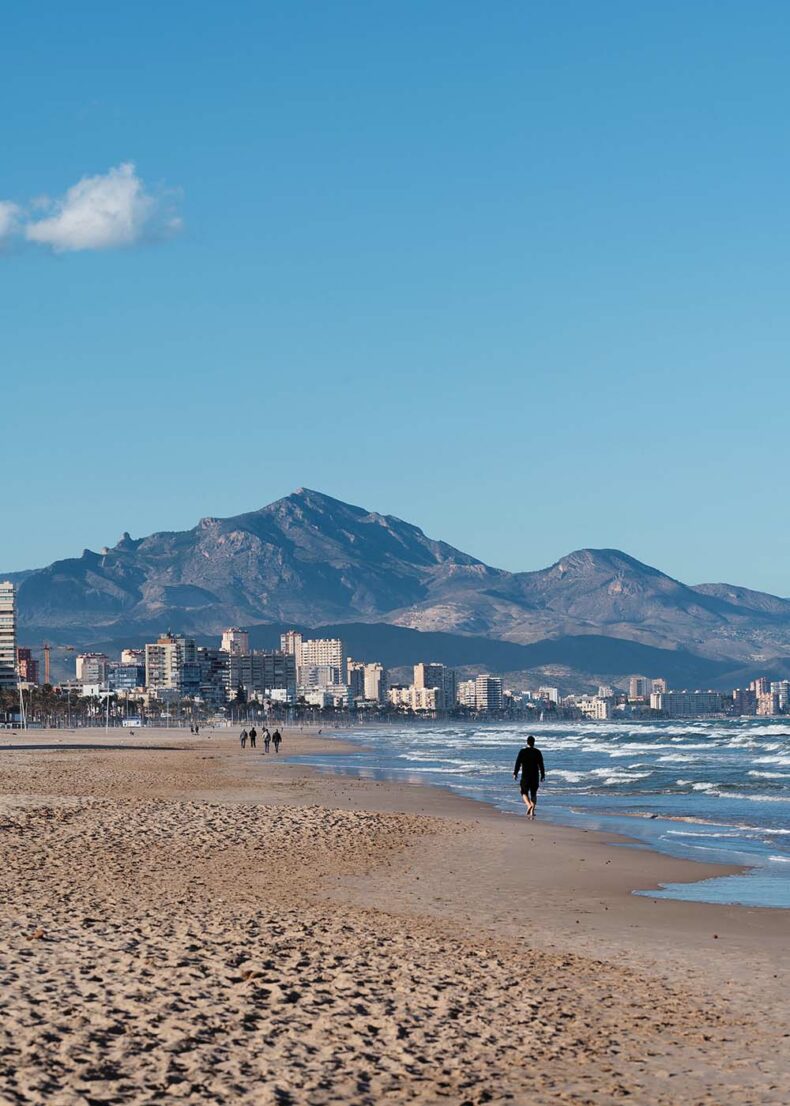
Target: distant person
197,728
267,738
530,763
253,737
276,740
243,739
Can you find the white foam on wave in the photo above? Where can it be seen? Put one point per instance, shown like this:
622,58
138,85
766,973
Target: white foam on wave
741,796
571,777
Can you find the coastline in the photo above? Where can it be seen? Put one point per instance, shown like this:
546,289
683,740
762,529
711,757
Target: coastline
171,844
568,818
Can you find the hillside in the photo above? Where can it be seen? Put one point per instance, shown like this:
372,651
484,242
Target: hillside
312,560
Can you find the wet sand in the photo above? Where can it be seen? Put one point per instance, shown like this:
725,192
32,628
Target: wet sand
184,921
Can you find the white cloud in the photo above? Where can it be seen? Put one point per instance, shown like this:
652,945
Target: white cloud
103,212
9,219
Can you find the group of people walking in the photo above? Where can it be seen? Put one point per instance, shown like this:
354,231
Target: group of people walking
274,739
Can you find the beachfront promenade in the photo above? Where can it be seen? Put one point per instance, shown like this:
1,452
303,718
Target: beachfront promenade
186,921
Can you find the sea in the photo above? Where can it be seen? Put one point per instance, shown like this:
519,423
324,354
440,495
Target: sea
716,791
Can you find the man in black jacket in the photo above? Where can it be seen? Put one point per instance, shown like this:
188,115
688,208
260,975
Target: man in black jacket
530,762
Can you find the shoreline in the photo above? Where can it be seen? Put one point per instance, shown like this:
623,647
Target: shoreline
184,919
713,869
664,867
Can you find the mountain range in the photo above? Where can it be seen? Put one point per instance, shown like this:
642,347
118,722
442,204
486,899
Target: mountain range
312,561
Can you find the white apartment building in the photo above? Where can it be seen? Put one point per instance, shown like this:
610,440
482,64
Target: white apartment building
92,668
466,694
323,654
235,641
166,660
595,707
781,689
488,693
7,634
437,675
418,699
686,704
551,694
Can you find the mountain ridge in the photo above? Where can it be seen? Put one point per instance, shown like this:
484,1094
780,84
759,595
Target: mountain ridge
311,559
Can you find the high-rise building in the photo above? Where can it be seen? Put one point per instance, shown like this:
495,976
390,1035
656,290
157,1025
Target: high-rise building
92,668
767,704
639,688
355,678
488,693
8,677
366,681
465,694
26,665
552,694
686,704
260,673
439,676
171,665
760,686
375,683
291,642
235,640
781,689
321,663
744,701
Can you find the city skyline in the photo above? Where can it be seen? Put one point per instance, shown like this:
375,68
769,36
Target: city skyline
546,237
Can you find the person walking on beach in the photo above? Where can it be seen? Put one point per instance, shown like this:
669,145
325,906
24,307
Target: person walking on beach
243,739
267,737
530,763
276,739
253,737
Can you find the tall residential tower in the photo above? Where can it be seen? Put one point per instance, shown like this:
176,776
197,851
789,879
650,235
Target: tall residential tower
7,635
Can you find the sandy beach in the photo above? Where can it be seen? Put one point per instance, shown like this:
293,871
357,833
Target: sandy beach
186,921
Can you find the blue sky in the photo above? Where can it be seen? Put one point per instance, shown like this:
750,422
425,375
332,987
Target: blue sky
516,272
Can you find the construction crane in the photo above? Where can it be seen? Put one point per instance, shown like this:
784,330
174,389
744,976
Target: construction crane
46,648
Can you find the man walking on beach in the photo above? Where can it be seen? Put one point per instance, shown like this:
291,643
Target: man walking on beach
530,762
253,737
243,739
266,739
276,739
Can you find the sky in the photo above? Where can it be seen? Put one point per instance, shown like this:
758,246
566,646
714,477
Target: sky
516,272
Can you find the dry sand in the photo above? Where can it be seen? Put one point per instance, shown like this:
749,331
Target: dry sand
184,922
